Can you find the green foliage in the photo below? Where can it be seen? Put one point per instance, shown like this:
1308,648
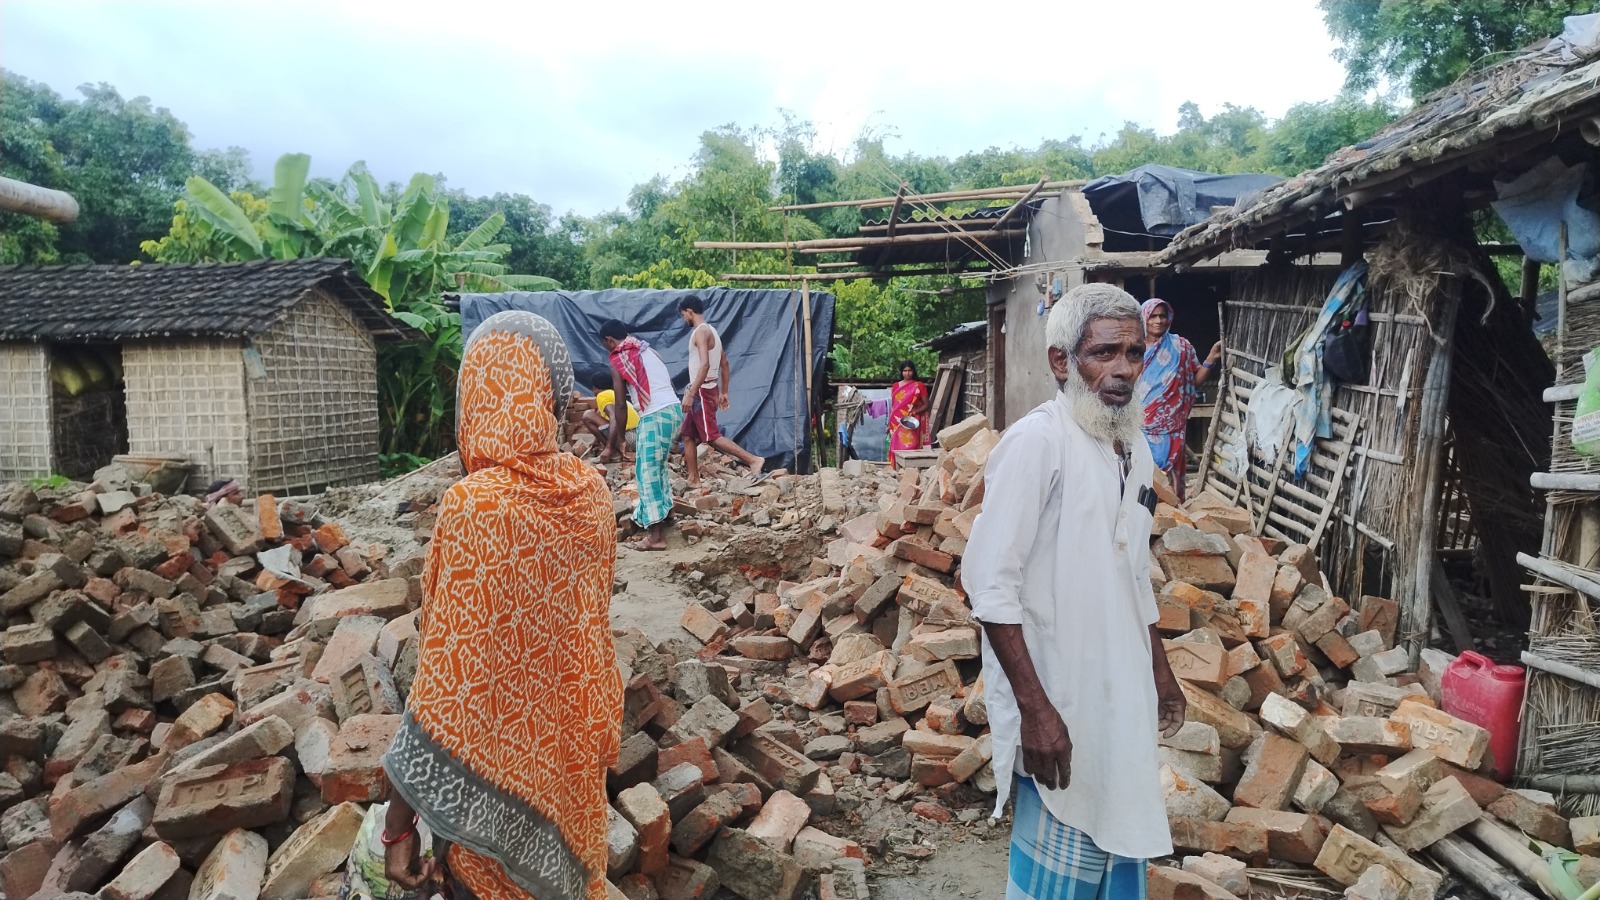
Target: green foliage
124,160
402,246
1424,45
664,276
391,465
880,323
49,482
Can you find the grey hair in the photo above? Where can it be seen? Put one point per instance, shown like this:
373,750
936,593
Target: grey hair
1070,317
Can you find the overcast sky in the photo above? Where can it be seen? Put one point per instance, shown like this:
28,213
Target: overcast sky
575,102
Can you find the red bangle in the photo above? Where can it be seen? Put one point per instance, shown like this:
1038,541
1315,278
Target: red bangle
387,841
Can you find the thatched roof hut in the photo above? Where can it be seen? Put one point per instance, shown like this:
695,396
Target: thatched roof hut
1446,446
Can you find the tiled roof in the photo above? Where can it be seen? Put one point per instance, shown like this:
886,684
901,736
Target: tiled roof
53,303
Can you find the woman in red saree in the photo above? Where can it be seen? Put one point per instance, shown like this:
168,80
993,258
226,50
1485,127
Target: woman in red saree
908,399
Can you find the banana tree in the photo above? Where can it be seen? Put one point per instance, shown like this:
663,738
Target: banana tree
403,251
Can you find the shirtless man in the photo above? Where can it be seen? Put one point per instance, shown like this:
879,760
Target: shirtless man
708,392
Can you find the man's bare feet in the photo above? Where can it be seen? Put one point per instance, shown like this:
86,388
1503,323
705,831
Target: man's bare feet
645,544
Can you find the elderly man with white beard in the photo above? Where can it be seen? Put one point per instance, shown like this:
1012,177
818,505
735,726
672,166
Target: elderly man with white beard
1058,571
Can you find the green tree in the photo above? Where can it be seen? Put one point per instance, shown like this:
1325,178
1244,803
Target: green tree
1310,132
1424,45
402,246
540,244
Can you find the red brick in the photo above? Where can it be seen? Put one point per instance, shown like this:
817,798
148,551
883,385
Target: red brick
1291,836
696,829
931,810
1246,842
1203,664
1380,615
73,813
860,712
355,764
780,820
217,799
911,694
1173,616
779,764
863,677
1252,594
1270,781
1283,651
1534,818
774,648
923,595
930,772
1338,650
330,537
922,554
694,751
644,809
22,871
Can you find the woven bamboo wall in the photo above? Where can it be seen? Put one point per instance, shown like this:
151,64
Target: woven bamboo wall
24,412
188,397
313,401
1269,309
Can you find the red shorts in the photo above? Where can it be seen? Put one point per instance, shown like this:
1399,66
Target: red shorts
700,425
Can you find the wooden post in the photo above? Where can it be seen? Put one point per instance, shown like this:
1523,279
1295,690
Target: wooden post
1353,237
997,366
1529,293
1416,605
805,316
1561,304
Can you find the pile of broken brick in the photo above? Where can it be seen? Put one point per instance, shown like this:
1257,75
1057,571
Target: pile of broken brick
195,700
813,709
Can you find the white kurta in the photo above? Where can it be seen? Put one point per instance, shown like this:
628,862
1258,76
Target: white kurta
1059,551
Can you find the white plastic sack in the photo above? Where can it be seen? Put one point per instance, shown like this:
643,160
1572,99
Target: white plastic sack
364,878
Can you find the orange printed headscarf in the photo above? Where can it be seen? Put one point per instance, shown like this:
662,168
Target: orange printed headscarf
513,716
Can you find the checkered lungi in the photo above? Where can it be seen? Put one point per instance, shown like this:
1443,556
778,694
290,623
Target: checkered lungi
1053,861
656,433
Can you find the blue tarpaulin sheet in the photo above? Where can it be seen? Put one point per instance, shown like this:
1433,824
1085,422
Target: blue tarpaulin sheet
762,335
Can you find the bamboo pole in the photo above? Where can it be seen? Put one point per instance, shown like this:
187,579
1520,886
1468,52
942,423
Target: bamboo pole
838,276
1472,864
999,223
38,202
1514,852
894,213
1557,667
856,243
1566,784
971,194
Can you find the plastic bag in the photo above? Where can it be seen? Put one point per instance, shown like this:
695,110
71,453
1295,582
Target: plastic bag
1586,419
364,877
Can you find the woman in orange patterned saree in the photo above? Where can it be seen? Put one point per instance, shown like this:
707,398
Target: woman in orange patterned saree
513,716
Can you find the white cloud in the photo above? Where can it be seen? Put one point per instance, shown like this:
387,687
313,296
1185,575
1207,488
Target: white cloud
575,103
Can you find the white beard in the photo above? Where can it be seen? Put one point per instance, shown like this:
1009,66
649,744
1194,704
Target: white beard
1100,420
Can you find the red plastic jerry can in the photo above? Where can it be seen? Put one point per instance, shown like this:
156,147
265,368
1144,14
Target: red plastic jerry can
1490,696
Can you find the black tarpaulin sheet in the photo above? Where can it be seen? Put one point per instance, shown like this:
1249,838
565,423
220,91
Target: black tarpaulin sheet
761,334
1162,200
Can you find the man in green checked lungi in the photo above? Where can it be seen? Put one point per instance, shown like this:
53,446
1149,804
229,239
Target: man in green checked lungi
1058,569
639,369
